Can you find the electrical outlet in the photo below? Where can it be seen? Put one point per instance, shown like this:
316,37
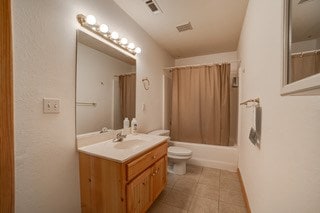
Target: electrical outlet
51,105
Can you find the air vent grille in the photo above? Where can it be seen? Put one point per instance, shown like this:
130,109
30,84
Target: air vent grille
303,1
184,27
153,6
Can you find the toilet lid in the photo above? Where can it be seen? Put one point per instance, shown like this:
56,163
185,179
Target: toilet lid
179,151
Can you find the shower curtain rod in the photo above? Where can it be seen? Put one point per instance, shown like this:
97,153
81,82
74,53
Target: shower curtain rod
198,65
130,73
306,52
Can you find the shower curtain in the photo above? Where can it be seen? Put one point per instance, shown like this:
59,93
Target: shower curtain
201,104
127,85
303,66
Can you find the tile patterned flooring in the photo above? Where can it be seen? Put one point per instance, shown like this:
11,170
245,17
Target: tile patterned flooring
201,190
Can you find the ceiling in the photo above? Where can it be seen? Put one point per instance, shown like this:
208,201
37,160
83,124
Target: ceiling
305,20
216,24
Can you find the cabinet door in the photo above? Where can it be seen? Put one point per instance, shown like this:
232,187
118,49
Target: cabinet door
85,182
159,177
139,193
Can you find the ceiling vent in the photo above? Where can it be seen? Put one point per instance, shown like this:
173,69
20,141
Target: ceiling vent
184,27
153,6
303,1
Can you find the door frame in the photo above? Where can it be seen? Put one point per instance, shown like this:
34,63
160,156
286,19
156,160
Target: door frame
6,110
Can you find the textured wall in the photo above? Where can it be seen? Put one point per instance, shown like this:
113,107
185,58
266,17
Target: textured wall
44,36
284,174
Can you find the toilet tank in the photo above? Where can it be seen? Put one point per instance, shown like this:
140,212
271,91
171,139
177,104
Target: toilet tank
160,132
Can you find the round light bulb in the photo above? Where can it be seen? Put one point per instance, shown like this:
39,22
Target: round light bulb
103,28
137,50
114,35
90,19
131,46
124,41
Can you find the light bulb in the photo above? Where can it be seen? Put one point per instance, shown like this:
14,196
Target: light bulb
137,50
124,41
114,35
103,28
131,46
90,19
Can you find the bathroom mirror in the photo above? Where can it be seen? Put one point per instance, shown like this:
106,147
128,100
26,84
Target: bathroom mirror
301,47
105,86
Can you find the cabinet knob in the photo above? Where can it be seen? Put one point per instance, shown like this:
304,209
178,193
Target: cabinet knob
153,174
154,157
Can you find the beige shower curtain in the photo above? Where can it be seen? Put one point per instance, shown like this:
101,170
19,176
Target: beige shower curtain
201,104
303,66
127,85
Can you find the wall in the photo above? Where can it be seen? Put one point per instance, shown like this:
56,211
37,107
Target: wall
44,39
218,58
94,67
284,174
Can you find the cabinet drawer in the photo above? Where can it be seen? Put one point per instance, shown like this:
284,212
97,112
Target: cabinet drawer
140,164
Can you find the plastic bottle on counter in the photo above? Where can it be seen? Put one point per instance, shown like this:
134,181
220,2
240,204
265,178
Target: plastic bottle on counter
126,123
134,126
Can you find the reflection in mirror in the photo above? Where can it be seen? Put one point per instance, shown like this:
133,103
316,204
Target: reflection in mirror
305,39
106,85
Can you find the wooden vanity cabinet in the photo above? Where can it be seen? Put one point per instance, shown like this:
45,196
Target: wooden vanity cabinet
158,177
139,193
131,186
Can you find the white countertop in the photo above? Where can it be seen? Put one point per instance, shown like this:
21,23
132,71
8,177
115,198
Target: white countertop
130,147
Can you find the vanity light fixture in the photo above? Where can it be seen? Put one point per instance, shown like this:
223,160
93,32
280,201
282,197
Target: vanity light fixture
90,23
137,50
124,41
91,20
131,46
114,35
103,28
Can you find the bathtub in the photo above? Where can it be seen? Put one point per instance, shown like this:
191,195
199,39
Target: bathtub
220,157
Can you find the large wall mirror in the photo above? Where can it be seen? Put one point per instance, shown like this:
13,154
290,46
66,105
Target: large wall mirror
302,47
105,87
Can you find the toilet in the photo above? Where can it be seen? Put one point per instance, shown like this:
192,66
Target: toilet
177,155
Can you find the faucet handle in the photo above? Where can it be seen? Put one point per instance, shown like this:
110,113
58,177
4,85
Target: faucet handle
104,129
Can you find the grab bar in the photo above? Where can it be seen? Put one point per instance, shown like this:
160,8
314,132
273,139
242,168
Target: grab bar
86,104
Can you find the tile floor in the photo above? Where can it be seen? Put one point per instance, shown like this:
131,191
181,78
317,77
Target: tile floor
201,190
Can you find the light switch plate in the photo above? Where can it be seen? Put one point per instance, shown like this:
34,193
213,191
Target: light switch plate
51,105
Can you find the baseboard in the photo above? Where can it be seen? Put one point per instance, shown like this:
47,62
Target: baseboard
243,189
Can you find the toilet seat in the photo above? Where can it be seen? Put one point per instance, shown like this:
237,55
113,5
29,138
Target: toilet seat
179,151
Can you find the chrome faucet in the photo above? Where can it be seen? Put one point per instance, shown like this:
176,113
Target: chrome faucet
119,137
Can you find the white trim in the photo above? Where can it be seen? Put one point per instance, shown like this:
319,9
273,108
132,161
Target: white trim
306,86
88,32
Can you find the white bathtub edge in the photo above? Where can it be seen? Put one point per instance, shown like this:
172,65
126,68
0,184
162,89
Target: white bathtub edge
213,164
212,156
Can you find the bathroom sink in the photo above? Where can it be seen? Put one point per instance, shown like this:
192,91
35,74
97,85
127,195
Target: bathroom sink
130,147
129,144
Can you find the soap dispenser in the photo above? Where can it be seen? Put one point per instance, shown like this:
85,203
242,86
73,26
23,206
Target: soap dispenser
134,126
